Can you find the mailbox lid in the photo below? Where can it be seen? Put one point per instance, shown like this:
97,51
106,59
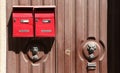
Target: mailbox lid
22,25
42,15
17,14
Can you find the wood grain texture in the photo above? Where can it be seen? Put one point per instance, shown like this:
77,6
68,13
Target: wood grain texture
69,36
93,18
25,2
103,34
76,22
81,33
24,64
89,16
49,2
11,55
37,2
60,35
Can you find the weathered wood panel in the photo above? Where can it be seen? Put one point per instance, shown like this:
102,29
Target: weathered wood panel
60,37
77,21
69,36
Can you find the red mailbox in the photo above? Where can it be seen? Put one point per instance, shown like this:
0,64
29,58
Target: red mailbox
22,23
45,23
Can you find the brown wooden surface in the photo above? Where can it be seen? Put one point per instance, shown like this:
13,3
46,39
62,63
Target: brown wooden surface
91,23
76,22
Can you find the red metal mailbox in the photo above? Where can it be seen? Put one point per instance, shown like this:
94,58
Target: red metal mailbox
45,24
22,24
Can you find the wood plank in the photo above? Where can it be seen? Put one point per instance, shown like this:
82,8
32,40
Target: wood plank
52,59
8,11
81,34
49,64
11,54
25,2
11,61
24,64
37,2
60,45
103,23
103,33
37,68
93,19
49,2
15,2
69,36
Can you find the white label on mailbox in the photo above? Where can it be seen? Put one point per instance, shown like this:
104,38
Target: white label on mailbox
24,30
46,30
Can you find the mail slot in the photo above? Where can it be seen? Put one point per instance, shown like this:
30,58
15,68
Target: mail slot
22,24
44,24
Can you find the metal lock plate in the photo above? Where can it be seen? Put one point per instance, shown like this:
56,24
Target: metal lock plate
91,66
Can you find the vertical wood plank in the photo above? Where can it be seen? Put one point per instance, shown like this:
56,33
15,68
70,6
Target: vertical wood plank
60,28
49,2
52,59
47,65
24,66
11,55
37,2
37,68
93,18
103,23
69,36
25,2
15,2
11,61
103,33
81,34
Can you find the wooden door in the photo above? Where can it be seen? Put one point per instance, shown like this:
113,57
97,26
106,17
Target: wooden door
78,22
